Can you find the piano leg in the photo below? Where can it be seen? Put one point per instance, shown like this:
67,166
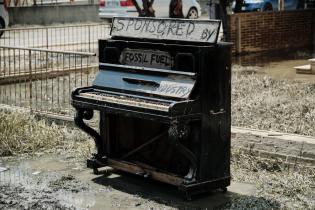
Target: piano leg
175,133
98,160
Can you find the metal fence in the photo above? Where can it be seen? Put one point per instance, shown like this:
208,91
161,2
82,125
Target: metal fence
79,37
41,79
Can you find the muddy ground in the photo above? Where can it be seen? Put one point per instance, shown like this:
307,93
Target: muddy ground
64,183
50,181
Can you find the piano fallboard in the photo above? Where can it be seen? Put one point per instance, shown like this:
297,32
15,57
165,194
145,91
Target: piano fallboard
157,82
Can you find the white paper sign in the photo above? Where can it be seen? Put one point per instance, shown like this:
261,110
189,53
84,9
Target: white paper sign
168,29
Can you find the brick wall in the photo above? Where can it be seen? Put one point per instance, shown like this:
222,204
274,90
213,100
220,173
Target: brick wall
261,31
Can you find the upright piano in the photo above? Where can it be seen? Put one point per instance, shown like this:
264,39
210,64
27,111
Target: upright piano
163,92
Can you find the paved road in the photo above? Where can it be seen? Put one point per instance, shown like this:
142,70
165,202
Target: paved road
82,37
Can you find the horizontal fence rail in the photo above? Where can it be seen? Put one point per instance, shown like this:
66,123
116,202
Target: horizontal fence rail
79,37
42,80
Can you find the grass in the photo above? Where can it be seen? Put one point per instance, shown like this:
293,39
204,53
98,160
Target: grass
260,102
278,186
21,133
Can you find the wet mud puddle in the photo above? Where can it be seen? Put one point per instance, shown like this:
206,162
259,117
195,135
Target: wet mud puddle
59,182
43,183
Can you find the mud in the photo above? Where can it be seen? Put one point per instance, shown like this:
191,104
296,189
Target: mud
64,182
285,70
51,182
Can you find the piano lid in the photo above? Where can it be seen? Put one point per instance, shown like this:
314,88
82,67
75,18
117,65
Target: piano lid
145,80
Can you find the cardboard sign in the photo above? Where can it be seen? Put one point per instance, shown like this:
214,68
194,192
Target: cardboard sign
167,29
146,58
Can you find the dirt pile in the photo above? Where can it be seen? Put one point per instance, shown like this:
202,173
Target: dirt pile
260,102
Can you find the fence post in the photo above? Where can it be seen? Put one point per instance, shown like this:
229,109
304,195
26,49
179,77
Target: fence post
30,79
47,42
238,35
280,5
89,38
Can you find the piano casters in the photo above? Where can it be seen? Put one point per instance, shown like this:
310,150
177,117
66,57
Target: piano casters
98,160
177,132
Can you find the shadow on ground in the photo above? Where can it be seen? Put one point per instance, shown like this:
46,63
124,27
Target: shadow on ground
169,195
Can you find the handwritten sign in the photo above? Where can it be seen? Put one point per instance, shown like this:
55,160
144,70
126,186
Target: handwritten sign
174,89
146,58
168,29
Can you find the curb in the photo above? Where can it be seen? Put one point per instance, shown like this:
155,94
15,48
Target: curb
287,159
274,134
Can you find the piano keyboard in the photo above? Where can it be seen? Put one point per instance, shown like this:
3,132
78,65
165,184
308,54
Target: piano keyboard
127,101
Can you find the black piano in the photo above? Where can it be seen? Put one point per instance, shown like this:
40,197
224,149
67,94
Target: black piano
164,103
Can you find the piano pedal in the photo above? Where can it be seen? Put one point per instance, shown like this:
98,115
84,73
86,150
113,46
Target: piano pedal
190,177
106,172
